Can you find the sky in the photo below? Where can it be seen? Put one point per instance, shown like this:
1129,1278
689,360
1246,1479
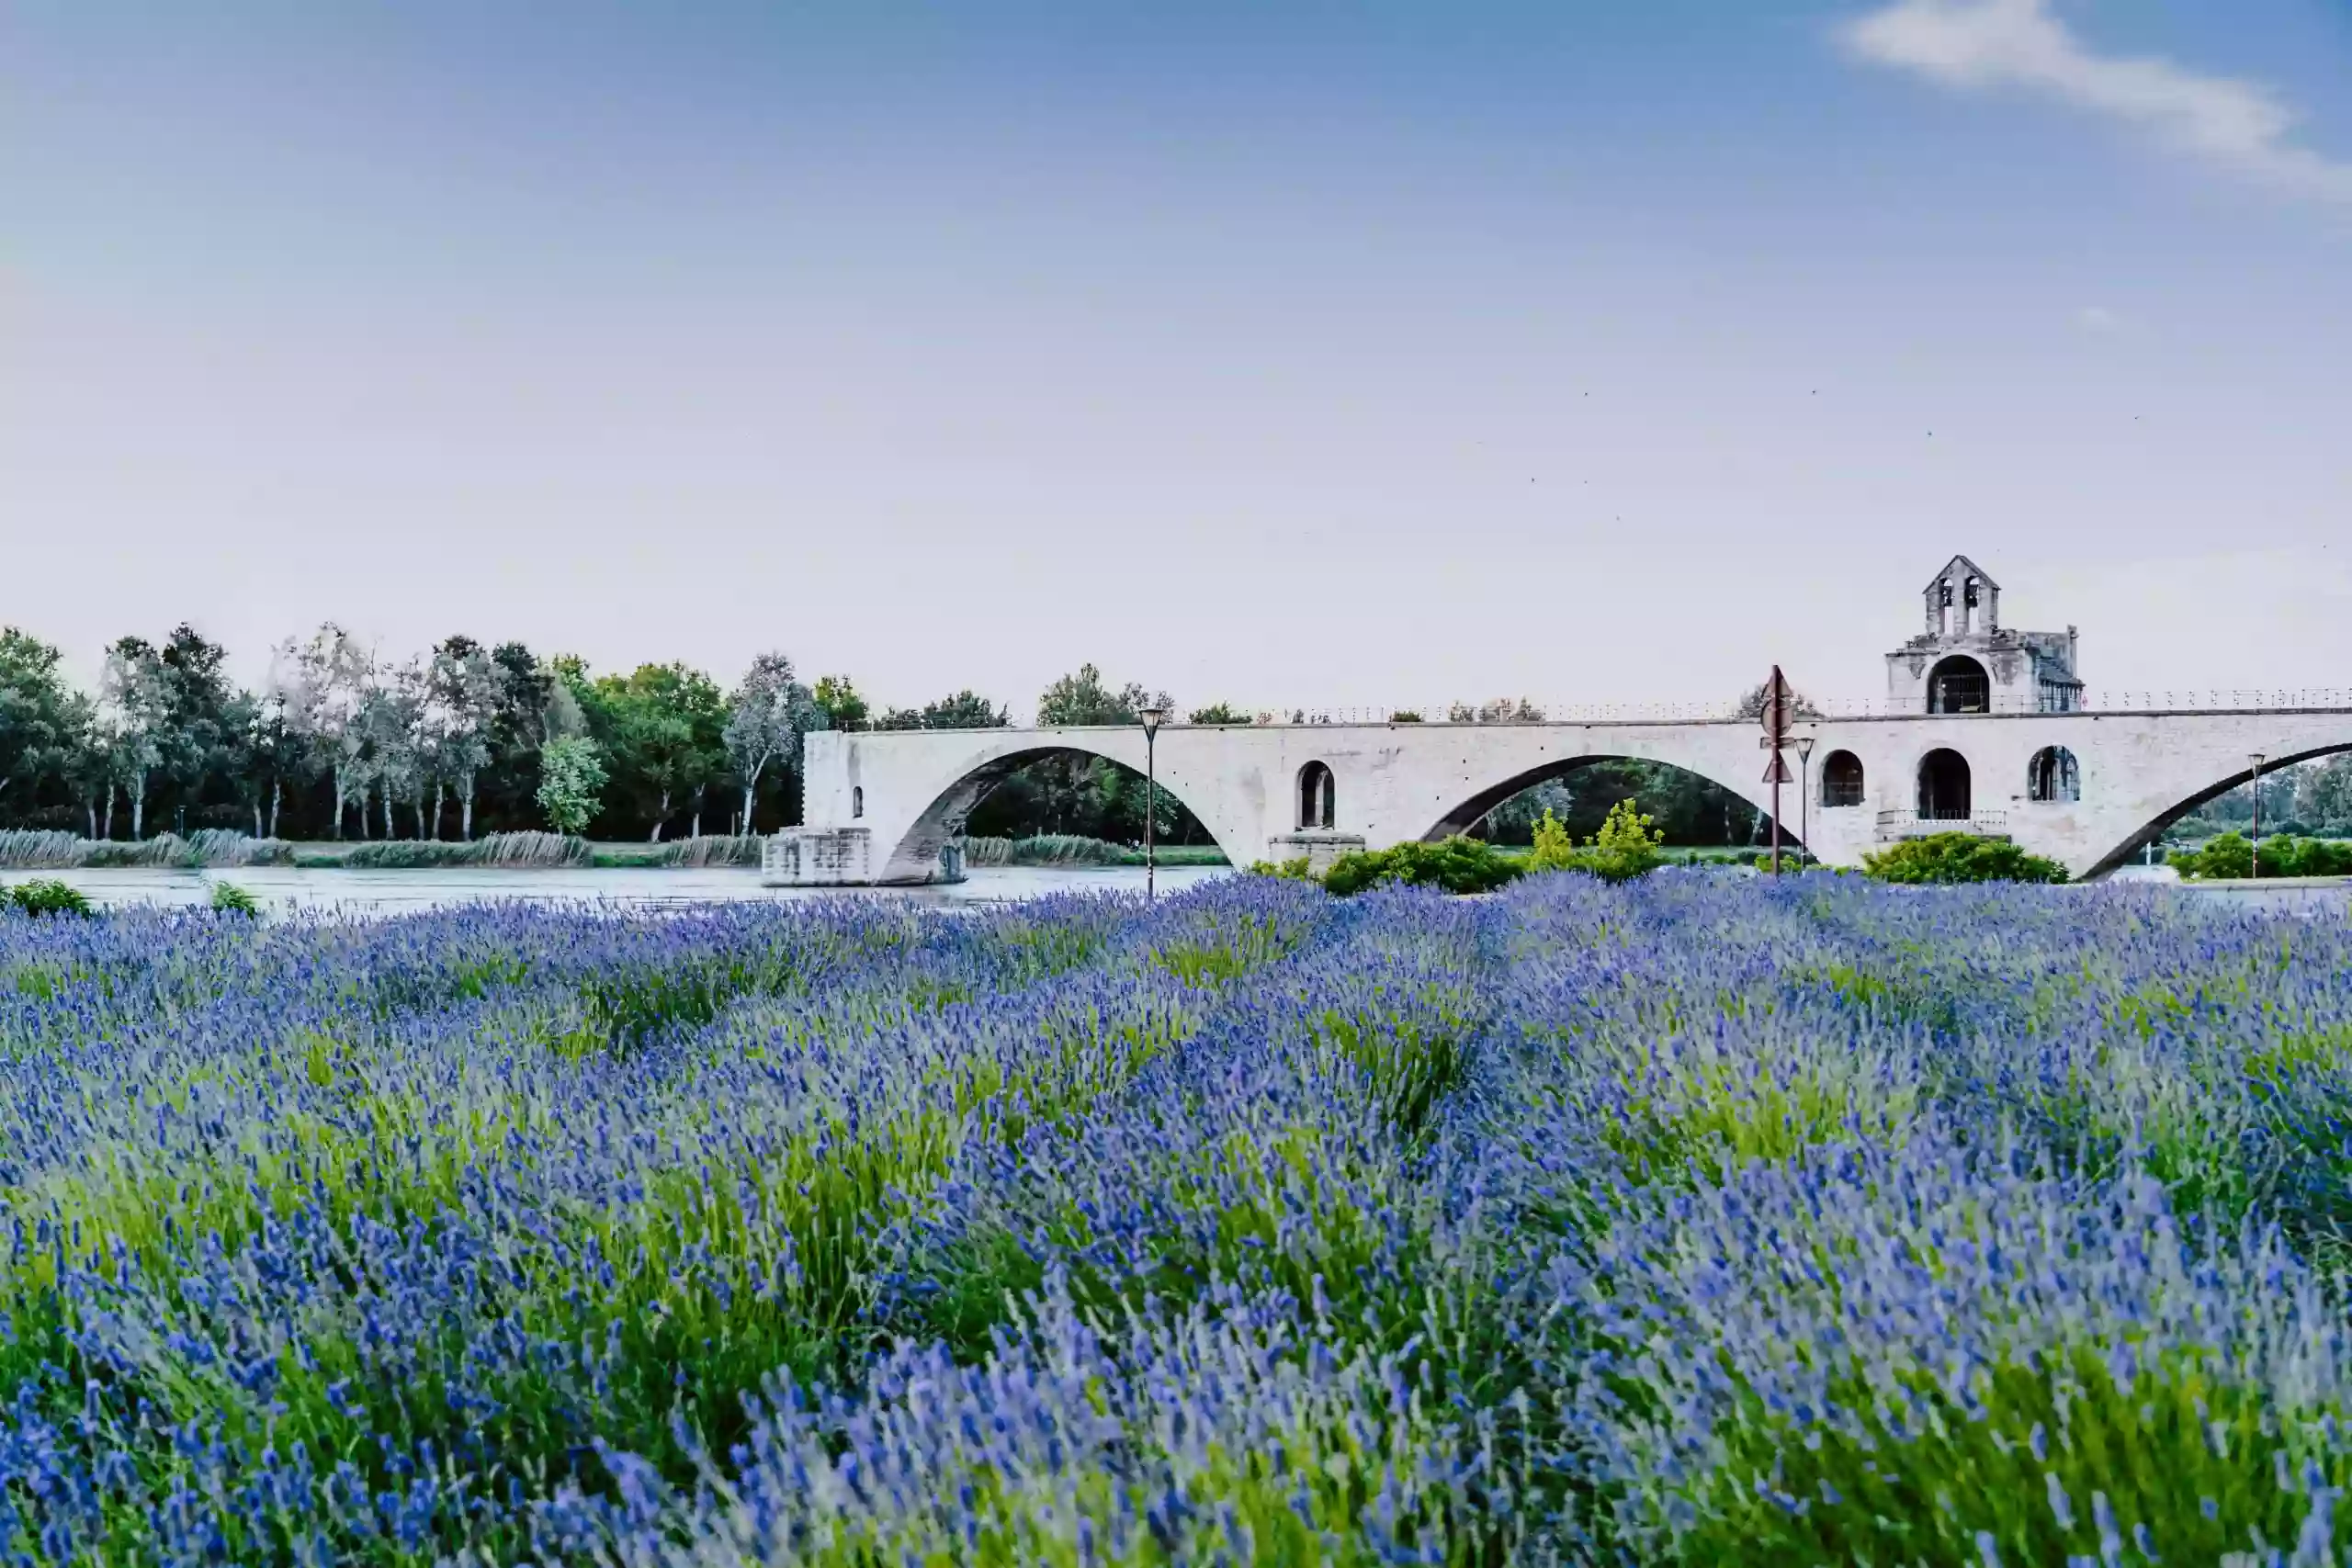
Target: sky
1288,353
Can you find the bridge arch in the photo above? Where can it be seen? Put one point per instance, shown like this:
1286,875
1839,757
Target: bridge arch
1474,809
2153,829
908,849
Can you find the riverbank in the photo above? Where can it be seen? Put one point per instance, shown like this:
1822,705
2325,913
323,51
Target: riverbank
1072,849
218,850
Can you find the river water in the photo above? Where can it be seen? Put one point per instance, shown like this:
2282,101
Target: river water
395,892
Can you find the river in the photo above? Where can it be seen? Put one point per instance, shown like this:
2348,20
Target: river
395,892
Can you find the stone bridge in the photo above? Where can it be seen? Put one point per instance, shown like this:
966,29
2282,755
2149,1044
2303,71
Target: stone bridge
2086,788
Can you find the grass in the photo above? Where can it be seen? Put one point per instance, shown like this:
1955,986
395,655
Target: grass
48,850
1073,849
525,850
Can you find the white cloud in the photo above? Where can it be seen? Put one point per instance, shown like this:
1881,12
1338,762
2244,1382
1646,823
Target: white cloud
2018,43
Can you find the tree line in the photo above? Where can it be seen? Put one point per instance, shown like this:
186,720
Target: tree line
469,738
473,737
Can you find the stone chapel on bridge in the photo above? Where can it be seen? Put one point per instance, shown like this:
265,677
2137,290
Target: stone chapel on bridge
1966,662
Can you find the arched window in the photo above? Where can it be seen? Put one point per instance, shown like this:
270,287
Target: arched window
857,800
1841,779
1958,685
1318,805
2051,775
1943,786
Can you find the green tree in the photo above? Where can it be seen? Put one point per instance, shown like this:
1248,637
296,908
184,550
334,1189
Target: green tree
201,732
517,729
1083,699
965,710
2324,794
1217,712
326,684
466,689
844,710
135,702
571,773
1751,703
38,723
667,724
269,754
769,715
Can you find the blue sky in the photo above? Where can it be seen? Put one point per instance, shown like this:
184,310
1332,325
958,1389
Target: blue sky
1327,352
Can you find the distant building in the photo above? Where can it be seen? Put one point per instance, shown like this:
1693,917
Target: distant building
1966,662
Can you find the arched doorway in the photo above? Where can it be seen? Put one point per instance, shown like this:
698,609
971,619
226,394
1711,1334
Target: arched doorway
2052,775
1841,779
1317,797
1943,786
1958,685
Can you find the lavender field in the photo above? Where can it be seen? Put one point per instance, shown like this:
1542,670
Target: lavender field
1699,1220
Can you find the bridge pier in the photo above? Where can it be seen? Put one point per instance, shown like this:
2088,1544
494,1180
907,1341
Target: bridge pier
840,857
1320,848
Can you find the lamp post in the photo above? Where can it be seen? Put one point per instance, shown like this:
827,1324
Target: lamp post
1805,806
2255,757
1152,718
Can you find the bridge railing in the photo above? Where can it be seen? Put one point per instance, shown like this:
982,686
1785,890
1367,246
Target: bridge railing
1912,825
2211,700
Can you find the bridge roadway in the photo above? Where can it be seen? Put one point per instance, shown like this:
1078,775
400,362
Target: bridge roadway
882,807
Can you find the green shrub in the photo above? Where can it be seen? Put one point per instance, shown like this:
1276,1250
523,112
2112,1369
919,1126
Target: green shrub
1293,870
1960,857
2222,858
1459,865
1626,847
228,898
46,896
2230,856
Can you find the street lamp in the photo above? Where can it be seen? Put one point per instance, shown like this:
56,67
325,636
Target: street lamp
1152,718
1804,808
2255,757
